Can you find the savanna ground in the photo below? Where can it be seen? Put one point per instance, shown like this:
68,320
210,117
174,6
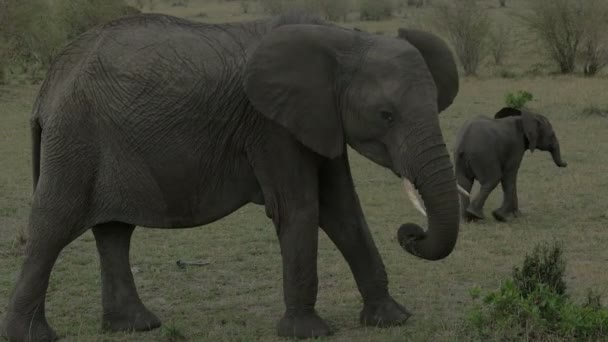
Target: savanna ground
238,296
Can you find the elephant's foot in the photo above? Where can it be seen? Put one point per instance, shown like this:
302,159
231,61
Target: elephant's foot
499,215
384,313
302,325
133,318
502,215
473,214
27,329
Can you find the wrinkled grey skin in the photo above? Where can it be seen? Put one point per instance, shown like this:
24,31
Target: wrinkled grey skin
156,121
491,150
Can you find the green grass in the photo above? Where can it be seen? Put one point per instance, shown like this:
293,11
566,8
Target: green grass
238,296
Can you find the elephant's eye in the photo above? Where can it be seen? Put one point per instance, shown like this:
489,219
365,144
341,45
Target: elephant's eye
387,116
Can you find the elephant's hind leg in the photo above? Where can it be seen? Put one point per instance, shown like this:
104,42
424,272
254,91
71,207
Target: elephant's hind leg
122,307
25,318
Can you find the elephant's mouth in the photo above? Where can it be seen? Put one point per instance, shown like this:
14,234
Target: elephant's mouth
414,195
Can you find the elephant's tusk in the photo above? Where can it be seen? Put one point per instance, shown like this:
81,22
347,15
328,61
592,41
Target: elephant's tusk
463,191
412,194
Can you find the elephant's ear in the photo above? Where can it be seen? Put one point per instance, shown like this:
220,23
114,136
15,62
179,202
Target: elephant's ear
290,79
440,61
531,126
529,122
507,111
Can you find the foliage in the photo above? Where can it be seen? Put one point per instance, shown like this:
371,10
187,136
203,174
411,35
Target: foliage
545,266
334,10
32,32
499,42
26,33
595,110
594,45
517,101
77,16
375,9
533,305
276,7
466,25
565,27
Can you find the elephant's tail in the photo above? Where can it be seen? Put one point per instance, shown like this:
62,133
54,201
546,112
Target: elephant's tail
36,132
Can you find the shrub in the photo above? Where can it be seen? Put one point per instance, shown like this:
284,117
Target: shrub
595,110
27,34
335,10
77,16
466,25
544,267
558,25
375,9
594,45
518,100
276,7
245,4
533,305
506,73
499,42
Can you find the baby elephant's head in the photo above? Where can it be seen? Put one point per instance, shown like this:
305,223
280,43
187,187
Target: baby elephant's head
538,132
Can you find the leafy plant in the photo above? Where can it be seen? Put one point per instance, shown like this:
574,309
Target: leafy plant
533,304
519,99
544,267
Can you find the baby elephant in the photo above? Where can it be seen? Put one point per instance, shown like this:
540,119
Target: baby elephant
491,150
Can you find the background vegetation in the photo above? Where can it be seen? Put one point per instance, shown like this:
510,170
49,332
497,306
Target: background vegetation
549,55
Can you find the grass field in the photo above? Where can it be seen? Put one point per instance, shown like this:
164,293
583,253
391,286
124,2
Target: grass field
238,296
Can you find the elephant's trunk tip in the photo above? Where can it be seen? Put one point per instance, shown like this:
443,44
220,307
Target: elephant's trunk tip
410,235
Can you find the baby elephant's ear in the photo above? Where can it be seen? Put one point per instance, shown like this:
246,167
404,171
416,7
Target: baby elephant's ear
507,111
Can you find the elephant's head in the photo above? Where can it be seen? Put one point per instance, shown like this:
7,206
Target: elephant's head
331,86
538,132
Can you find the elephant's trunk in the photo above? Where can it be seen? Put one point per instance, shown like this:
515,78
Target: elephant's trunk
431,172
557,156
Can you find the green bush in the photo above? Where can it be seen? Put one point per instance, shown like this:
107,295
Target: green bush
375,9
519,99
545,266
533,305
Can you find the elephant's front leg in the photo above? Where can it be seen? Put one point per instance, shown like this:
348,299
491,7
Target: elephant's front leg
298,235
289,183
343,221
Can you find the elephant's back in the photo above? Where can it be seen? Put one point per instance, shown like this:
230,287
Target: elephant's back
156,59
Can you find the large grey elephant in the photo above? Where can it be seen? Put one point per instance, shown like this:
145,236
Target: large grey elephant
491,150
157,121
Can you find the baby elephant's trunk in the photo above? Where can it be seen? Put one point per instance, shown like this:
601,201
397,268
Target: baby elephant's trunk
557,156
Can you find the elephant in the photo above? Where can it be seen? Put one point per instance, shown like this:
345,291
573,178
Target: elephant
491,150
156,121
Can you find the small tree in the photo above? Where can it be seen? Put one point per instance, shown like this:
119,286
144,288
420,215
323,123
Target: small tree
245,4
466,25
503,3
559,26
499,41
594,45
